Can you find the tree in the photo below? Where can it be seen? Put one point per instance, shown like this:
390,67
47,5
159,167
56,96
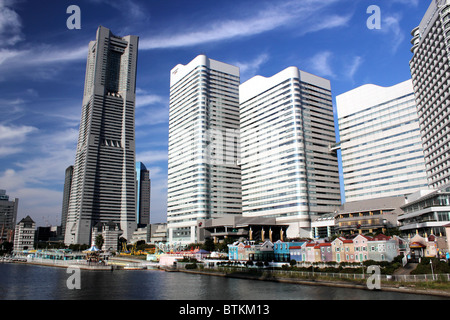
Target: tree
99,241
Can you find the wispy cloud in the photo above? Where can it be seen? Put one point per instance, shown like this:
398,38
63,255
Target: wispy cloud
249,69
151,109
10,24
391,26
290,13
321,64
353,67
11,138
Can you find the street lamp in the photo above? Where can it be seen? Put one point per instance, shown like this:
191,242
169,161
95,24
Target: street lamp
432,272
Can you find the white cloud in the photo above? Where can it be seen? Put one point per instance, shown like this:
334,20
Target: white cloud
354,66
10,24
12,136
148,99
34,179
390,25
291,13
152,156
320,63
250,68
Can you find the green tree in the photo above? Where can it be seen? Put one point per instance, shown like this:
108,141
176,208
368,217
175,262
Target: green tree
99,241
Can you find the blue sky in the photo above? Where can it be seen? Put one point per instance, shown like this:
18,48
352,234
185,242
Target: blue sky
42,69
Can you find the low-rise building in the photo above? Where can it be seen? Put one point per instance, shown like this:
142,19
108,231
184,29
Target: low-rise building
110,232
369,216
24,235
426,212
382,248
361,245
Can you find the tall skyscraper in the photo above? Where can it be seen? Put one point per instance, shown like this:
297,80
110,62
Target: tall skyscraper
143,187
8,216
287,131
204,178
381,145
431,78
103,184
66,197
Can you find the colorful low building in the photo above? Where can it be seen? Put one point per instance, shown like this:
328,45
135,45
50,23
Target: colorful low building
282,251
361,246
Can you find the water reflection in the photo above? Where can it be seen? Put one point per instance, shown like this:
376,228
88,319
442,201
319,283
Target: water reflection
25,282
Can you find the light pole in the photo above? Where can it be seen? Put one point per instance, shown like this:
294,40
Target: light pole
432,272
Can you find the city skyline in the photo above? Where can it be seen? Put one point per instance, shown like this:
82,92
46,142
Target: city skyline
42,71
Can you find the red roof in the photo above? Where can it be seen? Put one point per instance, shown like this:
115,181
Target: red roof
381,237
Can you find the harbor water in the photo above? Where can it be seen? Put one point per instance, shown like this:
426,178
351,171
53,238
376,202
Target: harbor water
32,282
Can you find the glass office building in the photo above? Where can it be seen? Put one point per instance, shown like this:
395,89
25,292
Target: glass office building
381,145
204,177
289,170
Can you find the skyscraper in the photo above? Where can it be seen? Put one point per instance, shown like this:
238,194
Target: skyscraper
66,198
143,188
8,216
103,184
431,78
381,145
287,132
204,178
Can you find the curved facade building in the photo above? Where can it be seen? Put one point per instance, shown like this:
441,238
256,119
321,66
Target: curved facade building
381,144
287,131
430,70
204,177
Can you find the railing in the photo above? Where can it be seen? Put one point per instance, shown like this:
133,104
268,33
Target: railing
266,272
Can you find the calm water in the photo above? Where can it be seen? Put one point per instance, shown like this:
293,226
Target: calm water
29,282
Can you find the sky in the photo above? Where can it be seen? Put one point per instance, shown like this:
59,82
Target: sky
43,63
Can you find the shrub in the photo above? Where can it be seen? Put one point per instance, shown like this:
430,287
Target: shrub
190,266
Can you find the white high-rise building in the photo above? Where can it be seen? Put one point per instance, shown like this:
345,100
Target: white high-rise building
204,178
103,185
289,171
430,71
380,141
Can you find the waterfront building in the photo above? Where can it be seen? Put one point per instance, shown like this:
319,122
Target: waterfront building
204,176
361,245
8,216
426,212
289,171
382,248
158,232
238,227
103,183
380,142
431,78
295,253
343,250
249,251
323,226
24,235
324,251
369,216
141,234
110,232
66,198
309,252
283,252
143,189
